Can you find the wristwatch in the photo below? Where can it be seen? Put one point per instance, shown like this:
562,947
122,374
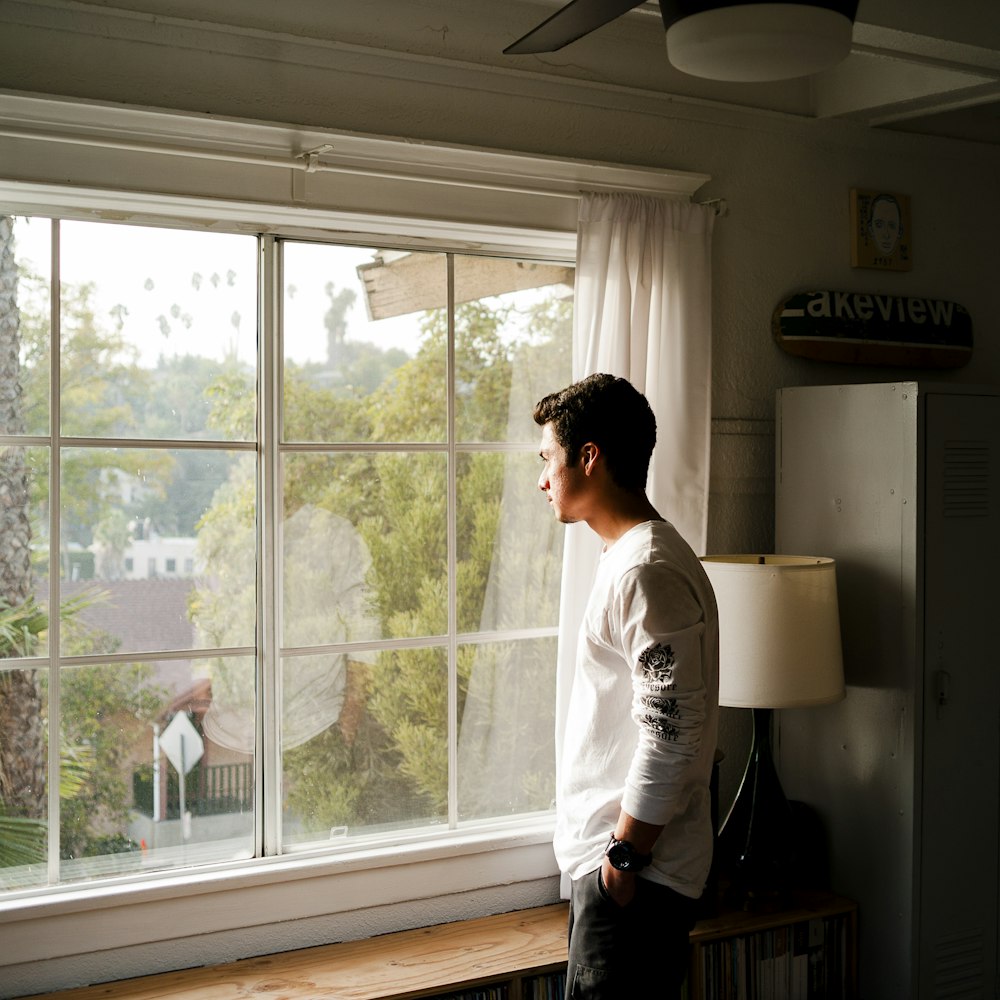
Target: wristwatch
624,856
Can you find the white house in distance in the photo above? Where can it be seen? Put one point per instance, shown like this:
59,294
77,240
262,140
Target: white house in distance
159,558
146,555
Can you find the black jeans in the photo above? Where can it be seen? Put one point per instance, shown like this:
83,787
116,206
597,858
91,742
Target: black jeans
636,951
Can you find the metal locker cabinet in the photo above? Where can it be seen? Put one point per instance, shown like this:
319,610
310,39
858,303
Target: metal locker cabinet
900,483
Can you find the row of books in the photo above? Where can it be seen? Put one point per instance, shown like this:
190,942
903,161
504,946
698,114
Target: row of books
801,961
496,992
548,987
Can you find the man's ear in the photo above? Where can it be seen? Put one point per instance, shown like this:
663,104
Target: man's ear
589,453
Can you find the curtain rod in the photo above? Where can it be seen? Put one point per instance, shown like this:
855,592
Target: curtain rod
308,161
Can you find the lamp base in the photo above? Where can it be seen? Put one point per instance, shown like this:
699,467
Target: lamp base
756,845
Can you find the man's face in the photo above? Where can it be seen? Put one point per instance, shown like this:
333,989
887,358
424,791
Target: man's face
563,484
885,226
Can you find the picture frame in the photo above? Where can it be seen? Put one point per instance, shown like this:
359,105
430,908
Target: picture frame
881,230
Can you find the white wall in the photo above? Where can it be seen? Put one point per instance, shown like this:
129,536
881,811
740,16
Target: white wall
433,72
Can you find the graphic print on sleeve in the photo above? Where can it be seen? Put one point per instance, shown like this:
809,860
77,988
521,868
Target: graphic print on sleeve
657,664
656,712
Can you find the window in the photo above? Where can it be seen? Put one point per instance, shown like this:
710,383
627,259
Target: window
362,645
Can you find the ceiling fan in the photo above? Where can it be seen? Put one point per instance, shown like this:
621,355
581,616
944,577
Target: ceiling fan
719,40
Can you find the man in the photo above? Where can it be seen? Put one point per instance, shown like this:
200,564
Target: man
633,813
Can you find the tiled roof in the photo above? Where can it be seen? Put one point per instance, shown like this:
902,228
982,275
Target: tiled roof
139,615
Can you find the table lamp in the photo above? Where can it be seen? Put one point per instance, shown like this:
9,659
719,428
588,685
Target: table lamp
779,647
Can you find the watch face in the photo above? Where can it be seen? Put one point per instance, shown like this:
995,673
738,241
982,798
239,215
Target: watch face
620,857
623,856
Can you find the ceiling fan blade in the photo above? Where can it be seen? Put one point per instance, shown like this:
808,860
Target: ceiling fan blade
576,19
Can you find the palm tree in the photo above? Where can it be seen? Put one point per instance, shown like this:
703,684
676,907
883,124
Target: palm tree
22,732
23,837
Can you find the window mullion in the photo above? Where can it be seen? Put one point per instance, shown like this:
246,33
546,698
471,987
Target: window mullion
452,559
267,768
55,506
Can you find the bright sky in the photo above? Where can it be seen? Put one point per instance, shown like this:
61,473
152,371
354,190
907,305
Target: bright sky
195,292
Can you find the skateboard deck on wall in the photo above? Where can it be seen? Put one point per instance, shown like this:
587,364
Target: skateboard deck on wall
873,329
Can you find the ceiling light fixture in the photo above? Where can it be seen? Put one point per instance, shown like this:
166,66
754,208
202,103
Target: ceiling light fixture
719,40
757,42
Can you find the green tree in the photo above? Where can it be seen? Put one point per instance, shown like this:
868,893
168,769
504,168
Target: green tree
106,711
174,400
112,535
224,610
410,686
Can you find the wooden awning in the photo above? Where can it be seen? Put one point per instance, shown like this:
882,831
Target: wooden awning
400,283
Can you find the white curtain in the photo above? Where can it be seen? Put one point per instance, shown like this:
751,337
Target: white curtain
642,311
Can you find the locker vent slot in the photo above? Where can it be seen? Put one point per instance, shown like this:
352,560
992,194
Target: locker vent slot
966,479
958,966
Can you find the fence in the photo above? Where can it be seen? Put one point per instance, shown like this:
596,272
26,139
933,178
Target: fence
209,791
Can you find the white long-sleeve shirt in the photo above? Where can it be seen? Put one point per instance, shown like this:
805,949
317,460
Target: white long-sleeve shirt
643,713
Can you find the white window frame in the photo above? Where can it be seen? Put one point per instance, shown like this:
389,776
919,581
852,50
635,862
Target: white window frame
101,162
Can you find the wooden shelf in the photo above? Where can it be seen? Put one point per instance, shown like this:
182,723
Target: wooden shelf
408,964
509,949
801,906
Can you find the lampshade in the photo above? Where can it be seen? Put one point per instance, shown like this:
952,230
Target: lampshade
755,42
779,630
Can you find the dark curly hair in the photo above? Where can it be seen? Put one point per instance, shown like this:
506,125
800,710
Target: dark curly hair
611,413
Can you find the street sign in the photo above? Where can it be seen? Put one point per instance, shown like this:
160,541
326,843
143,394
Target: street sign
181,743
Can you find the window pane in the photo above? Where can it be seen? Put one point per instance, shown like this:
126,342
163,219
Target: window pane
229,720
509,545
380,760
159,332
506,762
328,587
25,323
140,740
126,514
368,532
365,337
513,322
23,756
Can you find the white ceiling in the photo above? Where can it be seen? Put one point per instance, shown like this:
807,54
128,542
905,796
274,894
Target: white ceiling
922,66
926,66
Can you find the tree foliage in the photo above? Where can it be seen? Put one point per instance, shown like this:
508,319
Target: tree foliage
106,712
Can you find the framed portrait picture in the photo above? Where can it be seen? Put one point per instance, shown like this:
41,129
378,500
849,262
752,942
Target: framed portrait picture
881,230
